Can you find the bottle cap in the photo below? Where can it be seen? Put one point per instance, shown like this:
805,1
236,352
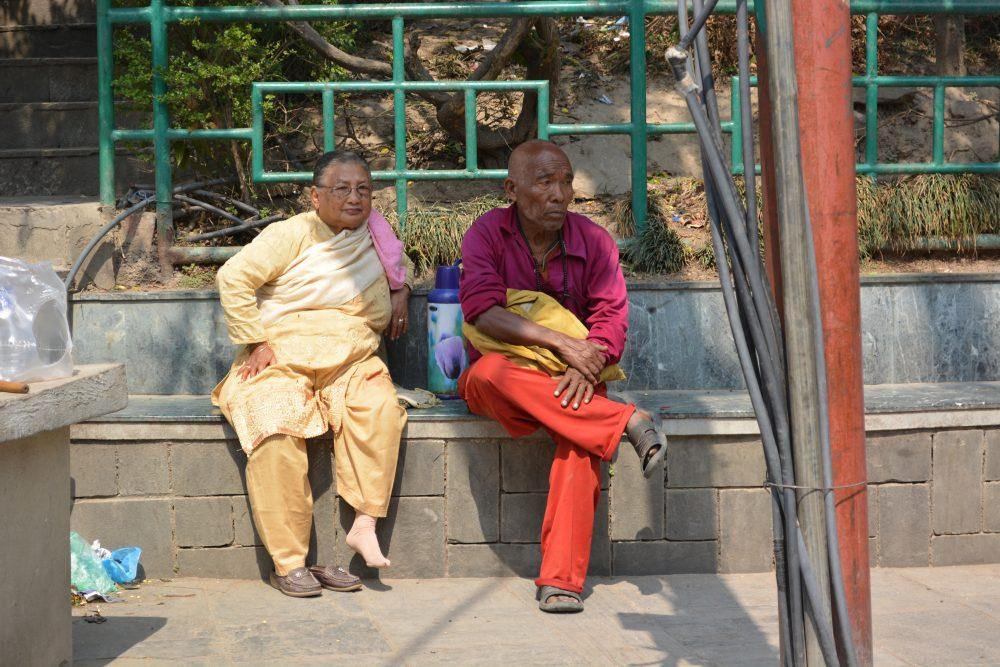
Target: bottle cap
447,277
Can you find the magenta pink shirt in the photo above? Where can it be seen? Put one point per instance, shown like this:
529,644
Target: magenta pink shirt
496,258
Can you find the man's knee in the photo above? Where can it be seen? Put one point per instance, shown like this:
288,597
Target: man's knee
489,372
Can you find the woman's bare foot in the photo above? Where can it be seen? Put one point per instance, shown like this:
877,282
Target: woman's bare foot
362,539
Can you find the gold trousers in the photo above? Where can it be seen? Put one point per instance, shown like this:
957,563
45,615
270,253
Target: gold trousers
365,447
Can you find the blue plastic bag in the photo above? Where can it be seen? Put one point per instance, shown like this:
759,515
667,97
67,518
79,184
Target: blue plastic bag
123,564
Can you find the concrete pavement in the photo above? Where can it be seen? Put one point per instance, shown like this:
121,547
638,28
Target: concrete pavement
923,616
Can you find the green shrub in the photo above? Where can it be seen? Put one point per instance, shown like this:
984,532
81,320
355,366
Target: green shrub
894,214
658,249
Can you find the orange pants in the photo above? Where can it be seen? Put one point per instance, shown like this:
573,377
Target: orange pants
522,400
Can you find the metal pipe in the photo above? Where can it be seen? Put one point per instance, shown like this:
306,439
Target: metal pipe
210,255
800,326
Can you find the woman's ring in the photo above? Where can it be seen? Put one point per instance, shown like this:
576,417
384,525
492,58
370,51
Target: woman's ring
402,319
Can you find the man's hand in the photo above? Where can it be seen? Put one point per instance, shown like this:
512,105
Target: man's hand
400,300
575,389
261,356
585,356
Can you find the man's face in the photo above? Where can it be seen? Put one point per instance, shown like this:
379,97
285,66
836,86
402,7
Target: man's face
343,197
542,190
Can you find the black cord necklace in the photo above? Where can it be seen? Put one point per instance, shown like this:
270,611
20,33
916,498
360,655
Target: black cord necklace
540,266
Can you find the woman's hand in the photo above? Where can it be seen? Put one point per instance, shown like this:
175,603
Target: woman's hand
261,356
400,300
574,388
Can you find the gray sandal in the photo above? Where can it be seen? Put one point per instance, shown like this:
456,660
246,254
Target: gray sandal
644,436
559,606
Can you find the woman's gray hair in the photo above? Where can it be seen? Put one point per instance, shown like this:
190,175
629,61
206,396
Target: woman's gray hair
338,157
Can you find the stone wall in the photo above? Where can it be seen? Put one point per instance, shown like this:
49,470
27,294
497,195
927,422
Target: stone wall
934,498
472,506
915,328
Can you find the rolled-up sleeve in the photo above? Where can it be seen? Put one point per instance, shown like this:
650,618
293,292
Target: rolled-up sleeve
607,300
238,280
481,285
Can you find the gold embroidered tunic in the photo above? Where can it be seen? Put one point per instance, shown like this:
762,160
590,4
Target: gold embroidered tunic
320,299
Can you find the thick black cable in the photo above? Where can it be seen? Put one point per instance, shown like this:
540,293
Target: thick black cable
68,282
229,231
742,326
243,206
700,18
208,207
714,158
832,538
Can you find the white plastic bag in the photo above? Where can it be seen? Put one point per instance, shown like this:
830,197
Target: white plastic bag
35,342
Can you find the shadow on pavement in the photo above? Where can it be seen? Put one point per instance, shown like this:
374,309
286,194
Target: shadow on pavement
99,642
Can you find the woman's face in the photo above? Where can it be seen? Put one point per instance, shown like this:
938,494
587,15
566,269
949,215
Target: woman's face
343,197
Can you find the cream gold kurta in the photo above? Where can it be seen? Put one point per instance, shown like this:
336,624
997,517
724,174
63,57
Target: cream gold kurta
321,301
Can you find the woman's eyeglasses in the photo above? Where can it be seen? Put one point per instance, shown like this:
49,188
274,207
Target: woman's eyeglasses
344,191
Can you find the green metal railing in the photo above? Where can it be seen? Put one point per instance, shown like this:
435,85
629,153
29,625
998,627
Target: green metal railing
158,16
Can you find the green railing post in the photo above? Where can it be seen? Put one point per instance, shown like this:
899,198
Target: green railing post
735,110
399,113
637,115
471,132
257,146
543,112
329,140
937,149
105,103
871,90
161,138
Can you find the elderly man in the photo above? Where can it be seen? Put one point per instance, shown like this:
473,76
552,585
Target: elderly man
308,301
536,244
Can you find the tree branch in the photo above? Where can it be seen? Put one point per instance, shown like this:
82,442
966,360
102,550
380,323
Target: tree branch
331,52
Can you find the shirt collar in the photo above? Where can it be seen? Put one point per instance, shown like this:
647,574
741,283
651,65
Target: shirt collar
575,246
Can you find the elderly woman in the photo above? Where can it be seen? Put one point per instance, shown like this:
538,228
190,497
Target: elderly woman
308,300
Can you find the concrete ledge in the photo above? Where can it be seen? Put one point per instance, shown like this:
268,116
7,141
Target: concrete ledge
92,391
685,413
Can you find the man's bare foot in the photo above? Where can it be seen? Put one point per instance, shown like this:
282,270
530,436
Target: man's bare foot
362,539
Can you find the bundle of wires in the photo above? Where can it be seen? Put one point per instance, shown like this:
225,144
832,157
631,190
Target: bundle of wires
753,317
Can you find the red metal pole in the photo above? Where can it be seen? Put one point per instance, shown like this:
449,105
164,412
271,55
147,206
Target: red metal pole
823,64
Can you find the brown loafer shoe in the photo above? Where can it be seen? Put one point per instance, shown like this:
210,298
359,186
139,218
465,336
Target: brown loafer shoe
335,578
299,583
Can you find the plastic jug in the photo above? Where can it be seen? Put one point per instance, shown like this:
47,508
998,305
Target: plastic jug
446,355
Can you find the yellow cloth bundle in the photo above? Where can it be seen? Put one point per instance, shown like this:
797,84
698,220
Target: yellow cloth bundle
544,310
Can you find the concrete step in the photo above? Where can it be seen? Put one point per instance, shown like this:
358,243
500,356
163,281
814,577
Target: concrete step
55,124
56,230
48,124
45,172
48,80
71,40
46,12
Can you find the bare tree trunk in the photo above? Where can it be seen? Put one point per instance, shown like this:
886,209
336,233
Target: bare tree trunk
950,33
535,39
